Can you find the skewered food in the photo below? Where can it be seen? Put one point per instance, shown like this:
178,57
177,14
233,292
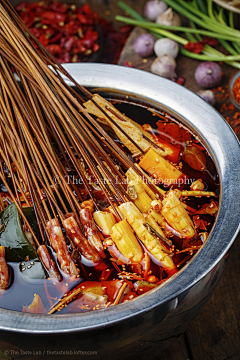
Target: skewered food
94,221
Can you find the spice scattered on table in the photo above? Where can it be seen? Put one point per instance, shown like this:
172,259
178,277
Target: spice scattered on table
236,90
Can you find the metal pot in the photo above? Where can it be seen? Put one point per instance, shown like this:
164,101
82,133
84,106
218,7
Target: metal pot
172,306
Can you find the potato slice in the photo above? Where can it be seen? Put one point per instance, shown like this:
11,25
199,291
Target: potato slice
159,168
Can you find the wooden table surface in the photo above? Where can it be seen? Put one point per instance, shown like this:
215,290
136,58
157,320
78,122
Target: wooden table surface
215,333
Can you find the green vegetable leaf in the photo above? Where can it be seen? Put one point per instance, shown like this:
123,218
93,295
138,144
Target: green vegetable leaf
17,247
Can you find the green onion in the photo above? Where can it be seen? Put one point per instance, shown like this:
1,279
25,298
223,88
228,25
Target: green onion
218,30
149,24
187,10
202,6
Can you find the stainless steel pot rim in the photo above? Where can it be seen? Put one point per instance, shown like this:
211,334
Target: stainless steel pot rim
224,148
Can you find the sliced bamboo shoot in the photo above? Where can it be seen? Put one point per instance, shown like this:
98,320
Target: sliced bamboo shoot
136,219
176,216
142,201
105,221
153,223
127,242
132,175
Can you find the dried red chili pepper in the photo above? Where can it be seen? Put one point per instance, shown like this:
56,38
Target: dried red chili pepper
65,25
53,16
58,7
86,9
69,43
54,49
125,29
84,19
195,47
79,50
36,32
71,28
43,40
55,38
180,80
64,58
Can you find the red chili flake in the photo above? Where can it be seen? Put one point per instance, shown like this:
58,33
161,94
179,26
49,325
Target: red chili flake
209,41
236,89
236,119
95,47
180,80
237,116
231,107
195,47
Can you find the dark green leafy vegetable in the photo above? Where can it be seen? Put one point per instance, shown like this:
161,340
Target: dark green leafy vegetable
16,245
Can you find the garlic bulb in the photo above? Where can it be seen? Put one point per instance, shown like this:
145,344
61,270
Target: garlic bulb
166,47
164,66
154,8
169,18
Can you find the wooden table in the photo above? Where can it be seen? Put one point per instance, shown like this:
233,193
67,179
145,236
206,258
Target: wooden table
215,333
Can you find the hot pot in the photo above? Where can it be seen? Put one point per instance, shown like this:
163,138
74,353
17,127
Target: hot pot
166,311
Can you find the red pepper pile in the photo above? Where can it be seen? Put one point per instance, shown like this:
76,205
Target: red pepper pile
66,30
198,46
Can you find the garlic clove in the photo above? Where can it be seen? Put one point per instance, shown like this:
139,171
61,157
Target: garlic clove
169,18
164,66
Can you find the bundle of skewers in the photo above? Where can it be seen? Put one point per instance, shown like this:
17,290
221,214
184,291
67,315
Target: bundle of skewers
49,131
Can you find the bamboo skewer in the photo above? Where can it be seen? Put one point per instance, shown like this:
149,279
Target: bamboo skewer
47,134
